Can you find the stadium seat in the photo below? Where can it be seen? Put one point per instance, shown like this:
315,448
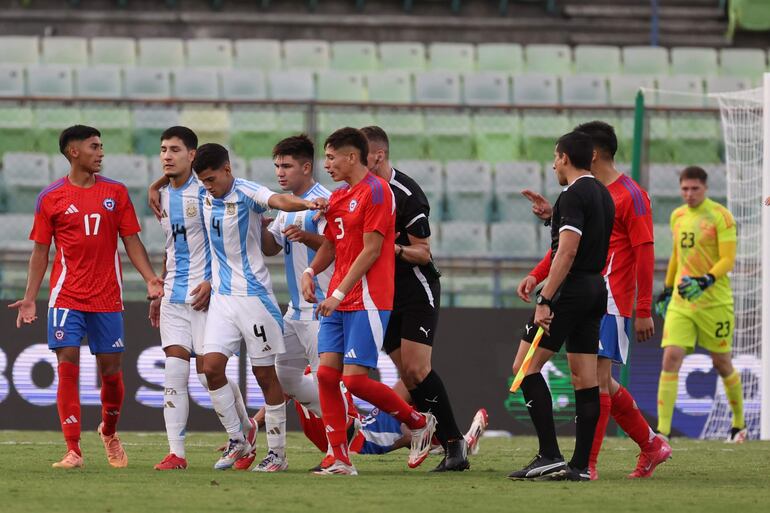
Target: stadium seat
403,56
72,51
510,179
717,180
663,241
341,86
210,124
390,86
149,123
359,56
725,85
664,180
53,81
243,84
291,85
448,136
25,175
437,87
147,84
742,63
535,89
463,239
113,51
429,176
161,52
691,86
19,49
195,84
497,136
16,129
556,59
131,170
513,239
541,130
255,130
623,89
597,59
505,57
645,60
152,235
306,54
584,90
114,123
659,134
99,82
487,88
406,131
60,166
694,61
11,80
209,53
49,122
460,57
263,54
331,119
468,190
262,171
239,167
470,291
16,229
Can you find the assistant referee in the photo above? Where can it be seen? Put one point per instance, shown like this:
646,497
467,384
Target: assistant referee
569,309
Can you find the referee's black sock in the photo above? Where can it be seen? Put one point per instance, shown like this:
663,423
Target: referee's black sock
540,406
586,416
430,395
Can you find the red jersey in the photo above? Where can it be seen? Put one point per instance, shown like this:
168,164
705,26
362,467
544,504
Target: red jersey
85,224
632,228
369,206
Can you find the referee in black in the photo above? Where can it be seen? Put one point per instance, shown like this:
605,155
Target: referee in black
569,309
409,336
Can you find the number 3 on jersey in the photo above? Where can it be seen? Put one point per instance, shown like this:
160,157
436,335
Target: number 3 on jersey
91,222
338,220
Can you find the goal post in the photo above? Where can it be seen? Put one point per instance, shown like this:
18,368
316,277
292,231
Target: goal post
765,372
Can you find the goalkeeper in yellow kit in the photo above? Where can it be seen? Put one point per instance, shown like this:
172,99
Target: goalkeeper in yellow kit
700,308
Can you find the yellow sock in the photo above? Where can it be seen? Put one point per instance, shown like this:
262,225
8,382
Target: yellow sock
667,390
734,391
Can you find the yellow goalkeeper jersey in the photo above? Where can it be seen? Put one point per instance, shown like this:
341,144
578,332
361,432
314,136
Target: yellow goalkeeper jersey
697,233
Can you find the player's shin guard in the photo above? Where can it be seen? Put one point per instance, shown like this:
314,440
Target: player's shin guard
176,405
300,386
586,416
333,410
275,427
630,419
112,400
734,392
384,398
667,390
540,406
224,404
431,397
601,428
68,404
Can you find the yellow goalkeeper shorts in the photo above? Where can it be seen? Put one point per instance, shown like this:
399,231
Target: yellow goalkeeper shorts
710,328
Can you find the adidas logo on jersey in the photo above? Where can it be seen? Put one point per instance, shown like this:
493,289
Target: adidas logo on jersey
70,420
72,209
351,354
118,343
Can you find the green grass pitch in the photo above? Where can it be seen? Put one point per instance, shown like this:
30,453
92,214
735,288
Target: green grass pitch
701,477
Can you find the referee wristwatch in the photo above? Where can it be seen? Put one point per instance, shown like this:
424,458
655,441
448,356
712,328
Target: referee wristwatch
542,300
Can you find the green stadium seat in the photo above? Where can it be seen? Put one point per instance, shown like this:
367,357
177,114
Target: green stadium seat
306,54
25,175
541,130
437,87
16,229
99,82
447,135
390,86
49,122
556,59
691,86
510,179
468,190
402,55
535,89
584,90
19,50
210,124
262,54
149,123
471,291
717,180
114,123
72,51
463,239
291,85
152,235
487,88
341,86
255,130
598,59
645,60
262,171
497,136
161,52
514,239
60,166
11,80
694,61
406,131
430,177
505,57
113,51
243,84
725,85
658,138
664,180
53,81
195,84
16,128
147,84
623,89
209,53
360,56
331,119
459,57
742,63
664,241
131,170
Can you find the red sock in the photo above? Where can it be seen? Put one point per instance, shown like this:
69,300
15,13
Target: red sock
333,410
112,400
630,419
601,428
384,398
68,404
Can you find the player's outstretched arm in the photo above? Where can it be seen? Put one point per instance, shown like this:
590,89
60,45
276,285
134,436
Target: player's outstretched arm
138,256
38,263
291,203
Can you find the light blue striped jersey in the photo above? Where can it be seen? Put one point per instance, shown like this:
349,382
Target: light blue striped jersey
297,256
188,256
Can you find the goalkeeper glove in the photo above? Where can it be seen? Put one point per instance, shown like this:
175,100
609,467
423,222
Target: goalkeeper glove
693,288
661,303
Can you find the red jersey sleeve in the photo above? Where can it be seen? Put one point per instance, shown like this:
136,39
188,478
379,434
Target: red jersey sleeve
42,226
638,217
379,211
129,224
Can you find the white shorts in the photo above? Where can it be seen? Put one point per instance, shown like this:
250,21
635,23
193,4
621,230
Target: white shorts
233,319
180,325
301,341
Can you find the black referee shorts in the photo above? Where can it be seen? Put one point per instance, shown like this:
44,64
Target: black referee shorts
413,318
577,315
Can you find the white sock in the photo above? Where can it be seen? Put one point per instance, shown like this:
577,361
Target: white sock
176,404
275,427
224,405
302,387
240,407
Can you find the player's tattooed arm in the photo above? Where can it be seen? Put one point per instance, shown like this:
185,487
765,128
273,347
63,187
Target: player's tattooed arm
38,263
153,194
138,256
323,259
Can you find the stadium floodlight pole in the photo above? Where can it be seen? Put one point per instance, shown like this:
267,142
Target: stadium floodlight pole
764,426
